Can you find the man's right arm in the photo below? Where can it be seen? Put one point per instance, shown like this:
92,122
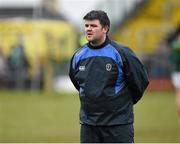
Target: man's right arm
72,75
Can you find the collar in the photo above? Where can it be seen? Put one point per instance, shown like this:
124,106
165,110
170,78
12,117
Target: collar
100,46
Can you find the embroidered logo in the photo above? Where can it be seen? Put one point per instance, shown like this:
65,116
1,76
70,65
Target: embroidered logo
81,68
108,67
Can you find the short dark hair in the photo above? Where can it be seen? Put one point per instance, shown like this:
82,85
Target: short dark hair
98,15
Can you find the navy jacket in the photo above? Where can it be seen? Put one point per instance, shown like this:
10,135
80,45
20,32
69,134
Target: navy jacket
110,79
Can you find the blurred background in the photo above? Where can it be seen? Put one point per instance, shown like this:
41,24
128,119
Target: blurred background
38,103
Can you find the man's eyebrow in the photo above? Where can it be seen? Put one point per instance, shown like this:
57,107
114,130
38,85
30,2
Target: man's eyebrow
91,24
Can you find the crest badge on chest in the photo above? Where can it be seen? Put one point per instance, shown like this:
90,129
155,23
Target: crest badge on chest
108,67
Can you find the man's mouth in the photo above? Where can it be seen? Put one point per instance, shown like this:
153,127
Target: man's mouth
89,34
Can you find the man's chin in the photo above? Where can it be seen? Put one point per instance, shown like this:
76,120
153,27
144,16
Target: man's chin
89,40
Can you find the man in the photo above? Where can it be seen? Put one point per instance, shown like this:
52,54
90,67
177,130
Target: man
110,79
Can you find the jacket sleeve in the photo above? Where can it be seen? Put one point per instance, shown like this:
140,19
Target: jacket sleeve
72,75
135,74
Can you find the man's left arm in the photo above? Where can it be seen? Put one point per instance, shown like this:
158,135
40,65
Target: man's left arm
135,74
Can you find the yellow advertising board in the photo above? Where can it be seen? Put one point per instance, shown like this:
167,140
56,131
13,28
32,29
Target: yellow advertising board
40,38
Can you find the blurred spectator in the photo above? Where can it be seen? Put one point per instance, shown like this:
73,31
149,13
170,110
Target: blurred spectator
38,77
4,73
19,66
174,44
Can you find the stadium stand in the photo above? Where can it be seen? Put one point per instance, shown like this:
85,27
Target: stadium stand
48,40
149,24
145,31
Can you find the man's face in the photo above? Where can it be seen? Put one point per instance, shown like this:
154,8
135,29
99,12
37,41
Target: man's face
94,31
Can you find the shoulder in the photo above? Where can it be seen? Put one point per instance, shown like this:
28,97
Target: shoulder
80,50
121,48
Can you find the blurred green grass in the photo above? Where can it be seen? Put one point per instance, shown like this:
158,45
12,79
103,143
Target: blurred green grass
52,117
156,119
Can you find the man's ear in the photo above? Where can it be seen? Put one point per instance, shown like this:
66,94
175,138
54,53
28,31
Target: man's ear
105,29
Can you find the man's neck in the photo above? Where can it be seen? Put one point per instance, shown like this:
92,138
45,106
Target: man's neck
99,42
